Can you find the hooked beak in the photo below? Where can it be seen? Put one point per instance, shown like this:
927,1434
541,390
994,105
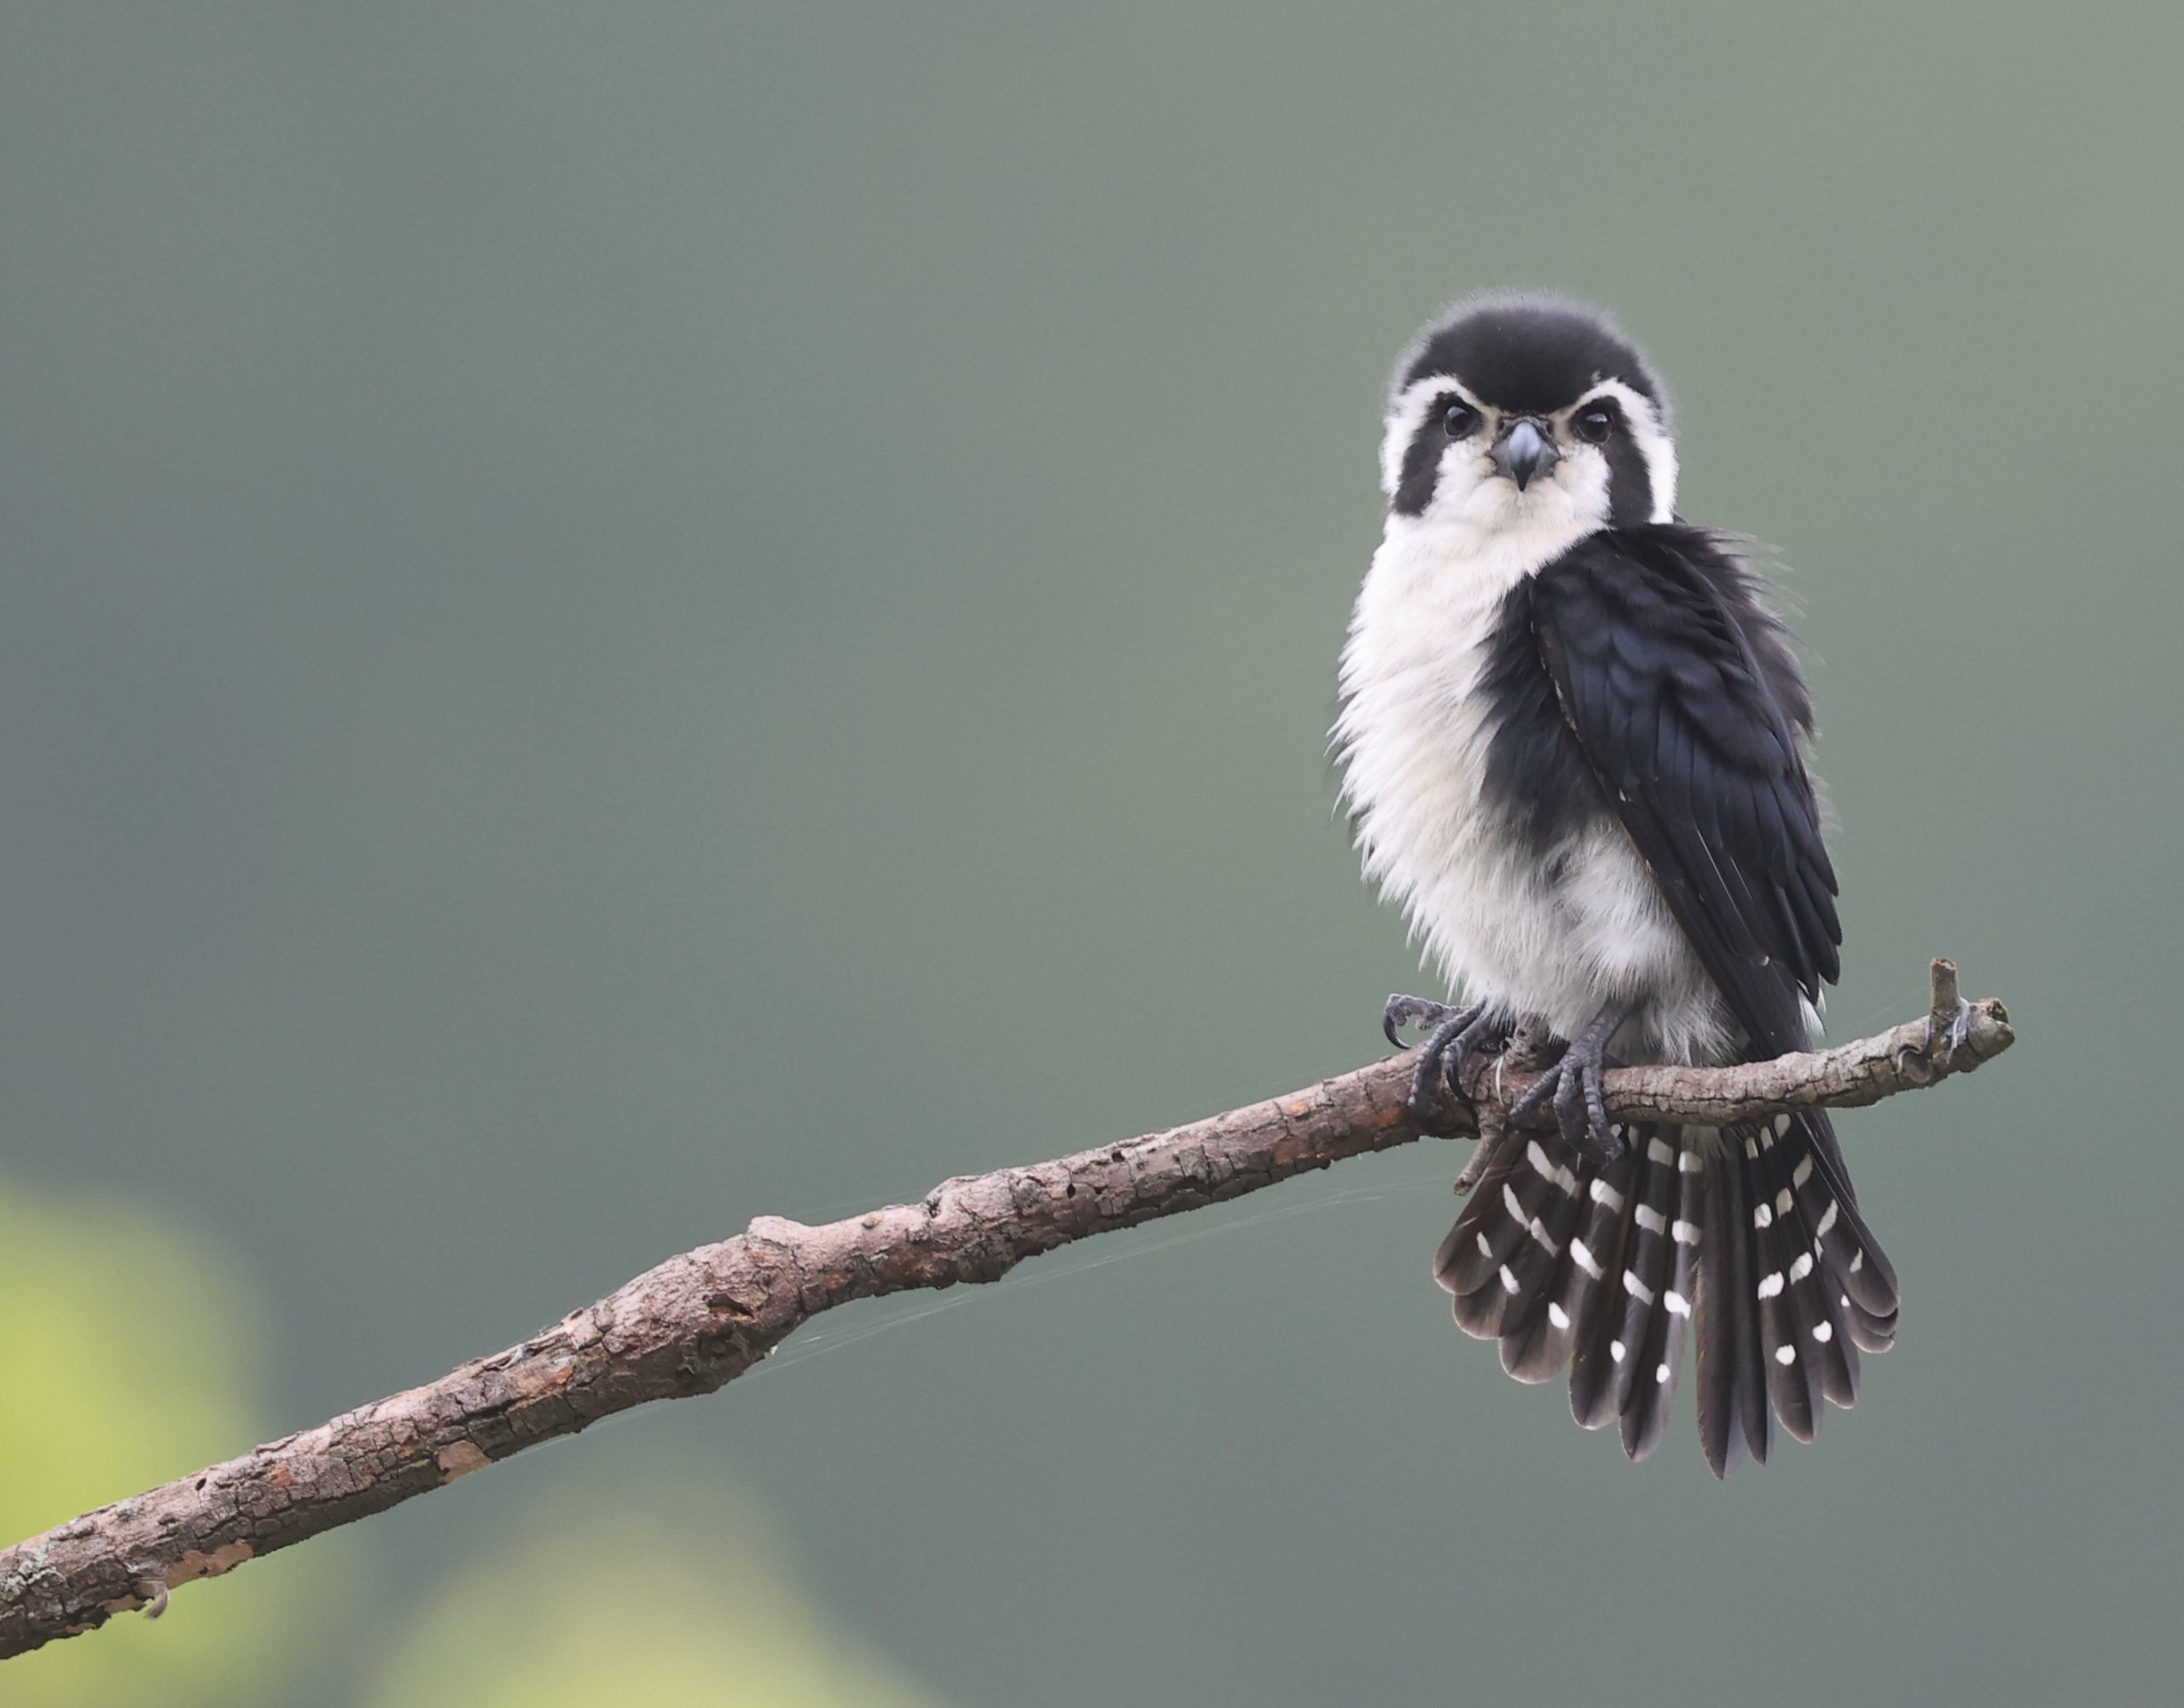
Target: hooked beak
1523,452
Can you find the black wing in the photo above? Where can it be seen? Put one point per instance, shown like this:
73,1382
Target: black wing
1681,690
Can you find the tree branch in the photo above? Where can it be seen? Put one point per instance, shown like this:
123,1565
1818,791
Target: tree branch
700,1319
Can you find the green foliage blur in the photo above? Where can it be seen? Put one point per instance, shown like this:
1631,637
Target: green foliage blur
613,620
593,1605
134,1353
132,1350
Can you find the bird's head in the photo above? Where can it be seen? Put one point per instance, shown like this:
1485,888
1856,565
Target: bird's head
1519,413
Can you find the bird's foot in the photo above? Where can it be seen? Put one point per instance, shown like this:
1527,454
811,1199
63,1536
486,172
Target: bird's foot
1458,1034
1578,1085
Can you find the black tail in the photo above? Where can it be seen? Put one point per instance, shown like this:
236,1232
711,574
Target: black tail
1753,1233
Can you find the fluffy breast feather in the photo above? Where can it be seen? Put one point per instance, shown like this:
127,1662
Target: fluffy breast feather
1555,931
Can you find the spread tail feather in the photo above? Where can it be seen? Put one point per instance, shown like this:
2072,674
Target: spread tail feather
1750,1237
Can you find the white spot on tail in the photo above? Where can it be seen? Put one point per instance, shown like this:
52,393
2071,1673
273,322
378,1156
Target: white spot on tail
1560,1318
1605,1194
1857,1263
1639,1290
1803,1172
1781,1125
1823,1332
1616,1351
1661,1375
1785,1354
1782,1202
1508,1281
1768,1285
1660,1152
1545,1239
1802,1268
1509,1203
1652,1220
1547,1170
1827,1221
1684,1233
1689,1162
1485,1246
1751,1149
1762,1216
1677,1304
1582,1255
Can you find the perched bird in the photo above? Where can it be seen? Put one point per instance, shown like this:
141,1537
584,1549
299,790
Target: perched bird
1572,742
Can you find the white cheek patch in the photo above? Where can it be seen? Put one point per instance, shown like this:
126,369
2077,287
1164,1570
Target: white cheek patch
1649,431
1585,473
1407,413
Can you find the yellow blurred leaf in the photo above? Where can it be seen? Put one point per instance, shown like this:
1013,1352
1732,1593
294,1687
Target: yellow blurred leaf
130,1351
595,1606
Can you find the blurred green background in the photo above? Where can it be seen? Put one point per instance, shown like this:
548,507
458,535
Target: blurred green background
616,619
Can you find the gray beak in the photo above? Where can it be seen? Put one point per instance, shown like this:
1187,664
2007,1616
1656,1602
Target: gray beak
1523,452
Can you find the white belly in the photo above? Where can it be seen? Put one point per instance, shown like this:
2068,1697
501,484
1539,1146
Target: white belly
1560,936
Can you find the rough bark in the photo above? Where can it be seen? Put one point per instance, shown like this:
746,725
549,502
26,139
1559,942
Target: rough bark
701,1319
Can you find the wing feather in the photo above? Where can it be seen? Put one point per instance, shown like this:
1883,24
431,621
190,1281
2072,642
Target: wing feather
1672,676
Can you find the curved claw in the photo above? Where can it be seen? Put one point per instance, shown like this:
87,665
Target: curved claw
1581,1111
1458,1033
1578,1085
1577,1089
1403,1011
1593,1082
1570,1113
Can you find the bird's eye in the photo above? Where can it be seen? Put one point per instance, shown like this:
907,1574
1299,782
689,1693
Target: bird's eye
1595,423
1462,421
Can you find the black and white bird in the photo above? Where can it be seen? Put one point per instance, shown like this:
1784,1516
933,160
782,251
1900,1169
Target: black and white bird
1573,737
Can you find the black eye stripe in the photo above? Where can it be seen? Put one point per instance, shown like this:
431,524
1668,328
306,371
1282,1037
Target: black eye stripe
1446,418
1421,459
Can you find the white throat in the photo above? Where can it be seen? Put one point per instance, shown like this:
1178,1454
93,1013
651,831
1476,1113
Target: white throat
1441,559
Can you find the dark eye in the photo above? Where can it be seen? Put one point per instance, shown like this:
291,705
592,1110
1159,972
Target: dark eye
1462,421
1594,422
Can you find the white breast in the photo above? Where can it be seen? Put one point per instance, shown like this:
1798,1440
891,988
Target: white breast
1556,937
